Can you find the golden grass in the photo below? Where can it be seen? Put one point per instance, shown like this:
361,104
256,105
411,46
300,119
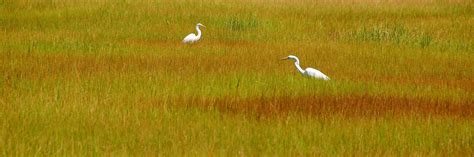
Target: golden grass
112,78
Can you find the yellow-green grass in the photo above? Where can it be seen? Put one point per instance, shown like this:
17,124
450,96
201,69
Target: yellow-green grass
105,77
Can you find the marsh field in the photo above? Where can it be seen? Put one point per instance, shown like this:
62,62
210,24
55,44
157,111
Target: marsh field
112,78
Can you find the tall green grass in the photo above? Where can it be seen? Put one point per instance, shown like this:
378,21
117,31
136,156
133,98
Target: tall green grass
100,77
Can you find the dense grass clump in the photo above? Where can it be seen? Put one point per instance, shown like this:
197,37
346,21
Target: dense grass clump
107,77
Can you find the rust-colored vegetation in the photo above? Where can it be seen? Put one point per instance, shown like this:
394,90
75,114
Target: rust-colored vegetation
347,106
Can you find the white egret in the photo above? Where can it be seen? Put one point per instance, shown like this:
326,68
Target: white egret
191,38
308,72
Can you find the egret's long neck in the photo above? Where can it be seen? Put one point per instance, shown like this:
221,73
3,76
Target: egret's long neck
198,32
297,64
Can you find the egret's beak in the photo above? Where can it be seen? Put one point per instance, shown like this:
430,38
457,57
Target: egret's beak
203,26
284,58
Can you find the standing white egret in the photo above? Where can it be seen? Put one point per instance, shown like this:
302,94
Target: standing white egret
191,38
309,72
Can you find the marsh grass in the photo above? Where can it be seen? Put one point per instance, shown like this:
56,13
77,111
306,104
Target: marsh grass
111,78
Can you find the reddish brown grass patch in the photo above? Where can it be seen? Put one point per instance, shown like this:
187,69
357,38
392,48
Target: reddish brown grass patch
348,106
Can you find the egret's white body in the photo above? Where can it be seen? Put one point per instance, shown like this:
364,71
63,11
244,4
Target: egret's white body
308,72
191,38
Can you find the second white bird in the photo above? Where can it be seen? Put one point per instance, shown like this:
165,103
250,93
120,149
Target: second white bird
308,72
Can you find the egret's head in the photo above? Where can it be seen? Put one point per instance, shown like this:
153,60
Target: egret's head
291,57
200,25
